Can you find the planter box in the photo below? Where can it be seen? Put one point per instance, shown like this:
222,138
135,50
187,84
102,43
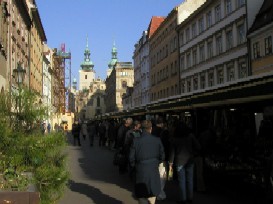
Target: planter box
19,198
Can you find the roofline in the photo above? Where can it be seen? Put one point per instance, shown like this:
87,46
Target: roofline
38,22
170,15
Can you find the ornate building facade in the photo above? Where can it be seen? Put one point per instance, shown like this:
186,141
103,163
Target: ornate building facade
90,96
4,14
121,77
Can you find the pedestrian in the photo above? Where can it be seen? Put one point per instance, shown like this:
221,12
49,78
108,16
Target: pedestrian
121,143
146,153
76,132
43,128
56,127
91,128
48,128
131,134
157,131
84,130
102,131
184,147
111,134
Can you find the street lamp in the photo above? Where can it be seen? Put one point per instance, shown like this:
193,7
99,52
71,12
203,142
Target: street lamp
19,74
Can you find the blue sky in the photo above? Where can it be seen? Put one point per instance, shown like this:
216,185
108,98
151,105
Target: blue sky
104,21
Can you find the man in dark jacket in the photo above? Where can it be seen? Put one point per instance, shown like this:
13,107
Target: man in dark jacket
121,143
183,148
76,129
145,154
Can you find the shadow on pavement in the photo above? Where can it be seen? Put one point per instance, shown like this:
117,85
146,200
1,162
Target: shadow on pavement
93,193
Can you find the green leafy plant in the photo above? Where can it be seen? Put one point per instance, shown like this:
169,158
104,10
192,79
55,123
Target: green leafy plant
26,155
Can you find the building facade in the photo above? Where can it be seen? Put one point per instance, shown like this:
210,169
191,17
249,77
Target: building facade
260,36
140,95
121,77
4,14
95,105
164,61
213,46
19,25
37,39
47,80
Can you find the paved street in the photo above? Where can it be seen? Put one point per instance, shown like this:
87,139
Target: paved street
94,179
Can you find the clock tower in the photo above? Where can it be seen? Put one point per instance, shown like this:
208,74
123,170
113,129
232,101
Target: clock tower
87,72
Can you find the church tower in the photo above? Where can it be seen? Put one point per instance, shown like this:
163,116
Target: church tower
87,73
113,61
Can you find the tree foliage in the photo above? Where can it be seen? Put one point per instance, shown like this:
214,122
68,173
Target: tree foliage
24,148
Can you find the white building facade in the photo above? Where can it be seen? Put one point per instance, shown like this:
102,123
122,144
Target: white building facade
213,46
141,72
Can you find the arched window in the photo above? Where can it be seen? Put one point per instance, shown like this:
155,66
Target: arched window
124,84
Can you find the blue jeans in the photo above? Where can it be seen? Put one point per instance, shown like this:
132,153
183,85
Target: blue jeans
185,179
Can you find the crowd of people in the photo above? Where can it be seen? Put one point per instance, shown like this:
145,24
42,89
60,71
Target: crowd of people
149,151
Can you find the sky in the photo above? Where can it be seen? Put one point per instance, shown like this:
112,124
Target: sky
104,22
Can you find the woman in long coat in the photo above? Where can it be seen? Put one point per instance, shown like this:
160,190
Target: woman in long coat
146,153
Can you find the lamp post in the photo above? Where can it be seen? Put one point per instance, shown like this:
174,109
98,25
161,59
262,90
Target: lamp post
19,74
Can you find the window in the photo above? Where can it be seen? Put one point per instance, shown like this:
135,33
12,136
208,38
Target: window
201,25
195,83
183,86
194,57
228,7
188,34
175,43
211,78
268,45
243,69
219,47
209,19
210,49
188,60
181,38
189,85
229,39
182,62
124,84
220,75
240,3
85,76
218,13
230,72
202,81
256,50
202,53
241,33
193,30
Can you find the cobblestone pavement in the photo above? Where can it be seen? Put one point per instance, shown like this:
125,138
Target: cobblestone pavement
94,179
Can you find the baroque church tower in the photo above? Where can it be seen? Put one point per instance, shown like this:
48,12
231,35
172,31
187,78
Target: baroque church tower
113,61
87,72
